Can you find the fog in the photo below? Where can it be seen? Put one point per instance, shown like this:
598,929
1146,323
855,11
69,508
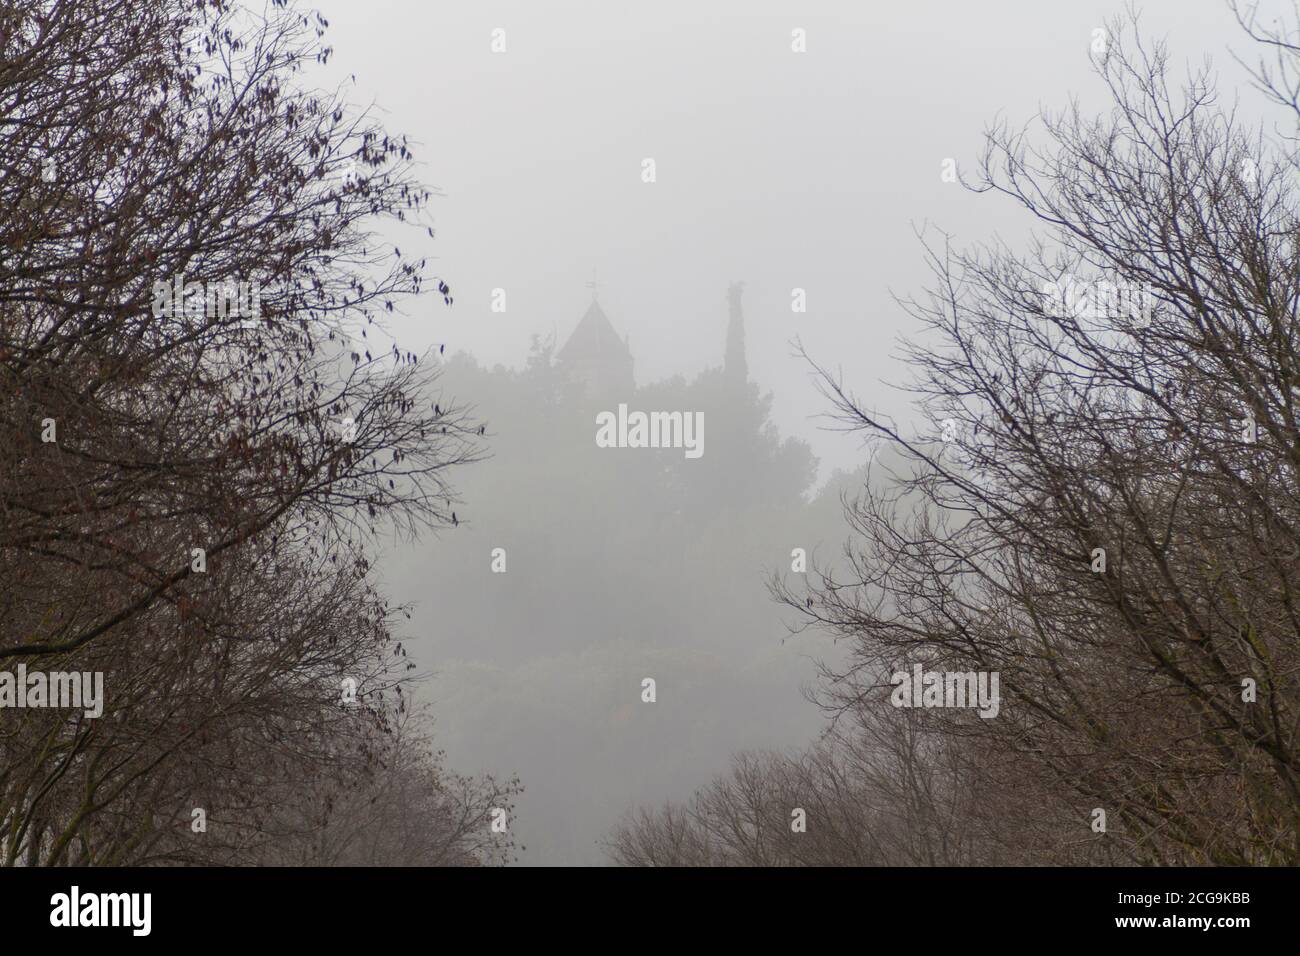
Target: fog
781,170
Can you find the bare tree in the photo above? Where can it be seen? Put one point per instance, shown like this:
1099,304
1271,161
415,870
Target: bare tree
1111,522
882,788
201,424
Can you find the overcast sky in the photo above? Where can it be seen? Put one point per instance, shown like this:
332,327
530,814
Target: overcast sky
783,170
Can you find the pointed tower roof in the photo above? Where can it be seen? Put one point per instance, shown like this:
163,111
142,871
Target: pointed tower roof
594,339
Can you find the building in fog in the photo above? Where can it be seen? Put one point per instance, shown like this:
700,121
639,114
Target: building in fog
598,364
595,359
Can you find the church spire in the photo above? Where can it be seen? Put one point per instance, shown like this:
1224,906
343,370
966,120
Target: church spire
734,366
595,356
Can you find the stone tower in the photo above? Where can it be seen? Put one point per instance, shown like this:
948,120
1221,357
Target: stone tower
734,367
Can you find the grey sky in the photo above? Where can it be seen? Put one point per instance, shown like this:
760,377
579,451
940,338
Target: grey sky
784,170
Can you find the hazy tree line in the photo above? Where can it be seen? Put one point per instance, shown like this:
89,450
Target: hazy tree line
1102,508
187,495
615,566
